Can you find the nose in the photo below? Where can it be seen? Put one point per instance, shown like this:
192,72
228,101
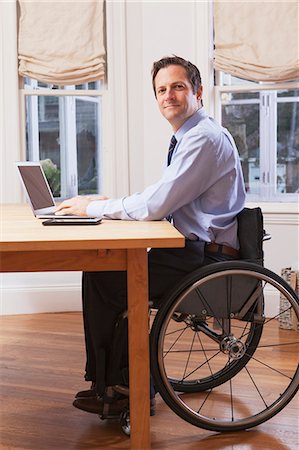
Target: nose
169,94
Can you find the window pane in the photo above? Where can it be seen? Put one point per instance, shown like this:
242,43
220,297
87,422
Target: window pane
230,80
92,85
243,123
288,147
238,96
42,136
287,93
31,83
87,146
49,143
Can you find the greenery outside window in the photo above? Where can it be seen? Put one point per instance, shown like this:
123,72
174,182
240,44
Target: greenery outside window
263,118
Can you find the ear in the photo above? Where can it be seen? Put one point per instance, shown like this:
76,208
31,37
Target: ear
199,93
199,97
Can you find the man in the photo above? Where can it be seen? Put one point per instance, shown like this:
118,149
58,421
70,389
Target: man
201,192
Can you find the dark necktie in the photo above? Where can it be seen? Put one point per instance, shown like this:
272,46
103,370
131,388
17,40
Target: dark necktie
170,152
171,148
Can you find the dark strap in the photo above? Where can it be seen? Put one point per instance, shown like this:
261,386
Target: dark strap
212,247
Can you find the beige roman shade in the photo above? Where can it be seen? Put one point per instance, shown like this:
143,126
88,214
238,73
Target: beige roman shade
62,42
257,40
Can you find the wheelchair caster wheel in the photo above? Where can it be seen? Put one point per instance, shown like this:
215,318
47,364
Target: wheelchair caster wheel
125,422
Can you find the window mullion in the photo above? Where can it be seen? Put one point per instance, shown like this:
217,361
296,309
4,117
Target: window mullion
264,146
63,152
68,146
272,139
33,129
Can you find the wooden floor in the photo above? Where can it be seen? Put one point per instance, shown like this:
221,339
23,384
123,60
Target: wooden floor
42,361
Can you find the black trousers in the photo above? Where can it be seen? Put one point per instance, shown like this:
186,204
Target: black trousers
105,298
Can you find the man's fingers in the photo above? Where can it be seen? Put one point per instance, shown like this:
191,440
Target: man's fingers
63,211
76,205
65,204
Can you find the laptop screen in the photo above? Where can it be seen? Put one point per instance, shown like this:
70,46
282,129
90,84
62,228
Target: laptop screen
36,186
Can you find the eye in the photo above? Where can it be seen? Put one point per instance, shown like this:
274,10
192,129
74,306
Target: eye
161,91
179,86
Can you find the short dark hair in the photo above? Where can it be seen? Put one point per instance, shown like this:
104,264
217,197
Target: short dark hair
192,71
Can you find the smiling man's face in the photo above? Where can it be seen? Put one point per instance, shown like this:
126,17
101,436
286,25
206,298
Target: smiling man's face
175,96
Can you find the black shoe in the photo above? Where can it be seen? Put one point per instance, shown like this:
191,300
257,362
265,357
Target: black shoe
96,405
111,408
91,392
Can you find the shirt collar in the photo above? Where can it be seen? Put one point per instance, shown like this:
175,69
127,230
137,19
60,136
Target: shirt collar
199,115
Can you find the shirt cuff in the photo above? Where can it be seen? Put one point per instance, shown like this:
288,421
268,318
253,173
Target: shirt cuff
108,209
96,208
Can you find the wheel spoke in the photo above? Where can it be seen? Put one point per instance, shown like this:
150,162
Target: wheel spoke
188,358
201,366
231,399
255,385
271,368
182,332
205,354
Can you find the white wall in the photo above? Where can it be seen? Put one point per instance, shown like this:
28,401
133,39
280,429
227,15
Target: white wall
140,33
9,107
154,30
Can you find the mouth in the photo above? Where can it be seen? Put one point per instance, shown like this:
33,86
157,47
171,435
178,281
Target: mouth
170,106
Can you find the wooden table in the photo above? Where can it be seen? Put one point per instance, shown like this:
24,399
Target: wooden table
27,246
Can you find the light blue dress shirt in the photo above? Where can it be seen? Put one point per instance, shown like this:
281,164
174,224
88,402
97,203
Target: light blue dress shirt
202,188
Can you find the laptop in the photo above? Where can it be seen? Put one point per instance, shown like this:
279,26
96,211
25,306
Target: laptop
39,194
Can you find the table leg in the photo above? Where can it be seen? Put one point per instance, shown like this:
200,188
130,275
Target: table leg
137,273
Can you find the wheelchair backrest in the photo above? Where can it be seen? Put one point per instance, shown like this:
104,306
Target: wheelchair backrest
250,234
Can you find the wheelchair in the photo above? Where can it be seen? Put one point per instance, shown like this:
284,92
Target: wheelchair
225,342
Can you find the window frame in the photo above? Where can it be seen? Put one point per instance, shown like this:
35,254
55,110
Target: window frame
268,121
67,126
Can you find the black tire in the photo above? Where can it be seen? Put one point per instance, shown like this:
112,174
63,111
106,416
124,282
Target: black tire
232,352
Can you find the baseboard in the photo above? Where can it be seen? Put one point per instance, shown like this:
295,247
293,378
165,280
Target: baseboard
39,299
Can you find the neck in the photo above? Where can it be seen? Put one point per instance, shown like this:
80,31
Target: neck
177,126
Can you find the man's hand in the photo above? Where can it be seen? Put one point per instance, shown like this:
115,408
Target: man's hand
77,205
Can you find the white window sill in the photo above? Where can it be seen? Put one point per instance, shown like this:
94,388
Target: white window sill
275,208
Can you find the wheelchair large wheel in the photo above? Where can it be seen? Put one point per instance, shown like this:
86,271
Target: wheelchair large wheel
225,346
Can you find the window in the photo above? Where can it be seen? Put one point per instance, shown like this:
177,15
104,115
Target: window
263,119
64,132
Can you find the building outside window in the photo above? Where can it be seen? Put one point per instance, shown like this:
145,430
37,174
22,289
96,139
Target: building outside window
263,119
